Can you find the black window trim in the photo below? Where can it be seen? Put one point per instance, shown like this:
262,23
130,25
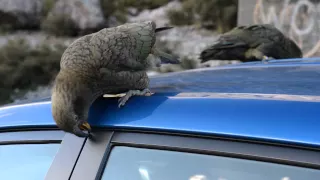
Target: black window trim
94,166
94,151
31,137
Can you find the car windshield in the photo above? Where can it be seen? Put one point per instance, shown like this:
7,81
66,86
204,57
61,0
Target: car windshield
128,163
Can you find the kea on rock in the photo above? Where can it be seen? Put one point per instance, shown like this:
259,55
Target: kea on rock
110,61
252,43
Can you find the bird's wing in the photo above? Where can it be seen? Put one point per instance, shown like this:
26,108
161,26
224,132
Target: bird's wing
228,46
144,36
242,36
77,55
120,81
274,42
125,44
235,43
229,41
263,33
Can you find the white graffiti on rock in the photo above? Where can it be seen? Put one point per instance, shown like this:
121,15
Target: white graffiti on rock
299,19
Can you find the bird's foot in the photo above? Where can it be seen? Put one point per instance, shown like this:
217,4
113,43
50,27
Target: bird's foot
265,59
113,95
122,101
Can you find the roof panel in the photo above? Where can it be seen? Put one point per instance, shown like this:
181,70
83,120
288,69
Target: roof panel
276,102
286,118
275,79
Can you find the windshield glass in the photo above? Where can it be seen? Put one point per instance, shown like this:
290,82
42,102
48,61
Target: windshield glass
128,163
26,161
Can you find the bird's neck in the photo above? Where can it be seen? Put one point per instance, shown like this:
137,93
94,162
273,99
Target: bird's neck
71,95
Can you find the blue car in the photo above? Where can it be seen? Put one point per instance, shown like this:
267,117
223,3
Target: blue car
248,121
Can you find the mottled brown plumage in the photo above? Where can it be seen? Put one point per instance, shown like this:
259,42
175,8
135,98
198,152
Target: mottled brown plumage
252,43
110,61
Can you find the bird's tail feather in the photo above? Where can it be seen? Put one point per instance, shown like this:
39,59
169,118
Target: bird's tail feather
165,57
162,29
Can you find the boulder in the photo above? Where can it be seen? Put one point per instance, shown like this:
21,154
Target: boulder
186,42
158,15
81,15
20,14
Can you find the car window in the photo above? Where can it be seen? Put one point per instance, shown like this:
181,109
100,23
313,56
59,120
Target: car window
128,163
26,161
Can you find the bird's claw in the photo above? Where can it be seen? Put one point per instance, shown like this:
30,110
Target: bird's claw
113,95
122,101
265,59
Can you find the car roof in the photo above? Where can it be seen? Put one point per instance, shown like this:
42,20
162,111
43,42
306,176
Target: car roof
288,77
277,101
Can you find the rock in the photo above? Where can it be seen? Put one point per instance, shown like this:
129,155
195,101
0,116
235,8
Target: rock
158,15
213,63
183,41
133,11
20,14
39,93
152,73
85,15
35,38
166,68
112,21
187,41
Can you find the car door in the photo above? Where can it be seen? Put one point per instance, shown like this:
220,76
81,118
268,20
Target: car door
125,155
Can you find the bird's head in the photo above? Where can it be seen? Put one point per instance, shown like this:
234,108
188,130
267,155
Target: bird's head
67,120
69,106
296,50
79,128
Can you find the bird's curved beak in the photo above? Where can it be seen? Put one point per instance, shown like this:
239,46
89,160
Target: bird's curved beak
162,29
78,130
85,126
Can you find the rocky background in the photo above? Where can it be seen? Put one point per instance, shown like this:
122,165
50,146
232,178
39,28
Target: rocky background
34,34
298,19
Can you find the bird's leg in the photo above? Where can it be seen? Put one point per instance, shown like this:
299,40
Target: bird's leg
113,95
257,54
266,58
145,92
264,49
